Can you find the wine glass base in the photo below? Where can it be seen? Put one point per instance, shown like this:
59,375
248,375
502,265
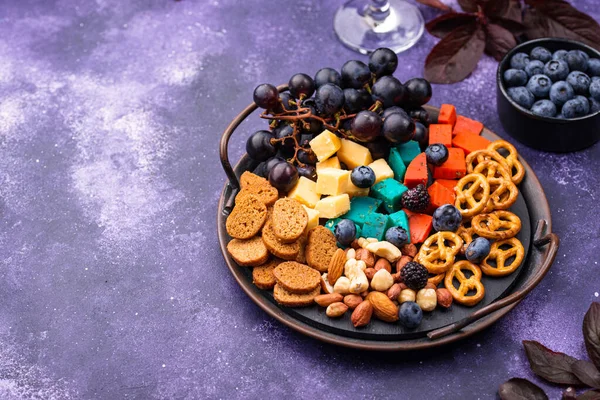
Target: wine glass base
359,30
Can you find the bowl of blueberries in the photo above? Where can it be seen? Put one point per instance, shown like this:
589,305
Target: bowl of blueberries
549,94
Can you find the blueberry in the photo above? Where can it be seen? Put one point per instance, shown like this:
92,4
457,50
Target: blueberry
345,232
580,82
410,315
478,250
521,96
584,101
575,108
544,107
436,154
557,70
540,53
595,78
446,218
363,177
397,236
539,85
594,67
595,89
515,77
577,60
534,67
560,92
560,55
519,61
594,105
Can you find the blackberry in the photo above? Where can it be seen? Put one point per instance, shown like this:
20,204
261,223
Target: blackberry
416,199
414,275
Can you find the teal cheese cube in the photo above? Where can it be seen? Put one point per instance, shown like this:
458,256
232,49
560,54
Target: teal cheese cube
399,218
375,226
397,164
390,192
408,151
360,208
332,223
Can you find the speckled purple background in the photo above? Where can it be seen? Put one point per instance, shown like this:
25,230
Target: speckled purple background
112,282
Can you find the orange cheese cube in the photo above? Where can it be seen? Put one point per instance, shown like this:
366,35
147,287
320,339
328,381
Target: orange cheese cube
467,125
469,142
455,166
440,195
440,133
416,172
449,183
447,114
419,226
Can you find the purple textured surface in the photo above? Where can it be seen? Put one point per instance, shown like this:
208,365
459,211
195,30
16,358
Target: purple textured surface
112,282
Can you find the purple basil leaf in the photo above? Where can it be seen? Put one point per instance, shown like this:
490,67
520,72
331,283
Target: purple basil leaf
557,18
587,373
468,5
521,389
456,55
589,395
550,365
493,8
446,23
591,333
498,41
435,4
516,28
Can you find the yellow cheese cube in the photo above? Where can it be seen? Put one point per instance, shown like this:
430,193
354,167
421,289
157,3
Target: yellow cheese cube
325,145
355,191
353,154
313,218
305,192
332,162
382,170
332,181
333,206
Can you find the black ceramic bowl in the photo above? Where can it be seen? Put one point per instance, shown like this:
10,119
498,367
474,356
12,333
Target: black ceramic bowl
543,133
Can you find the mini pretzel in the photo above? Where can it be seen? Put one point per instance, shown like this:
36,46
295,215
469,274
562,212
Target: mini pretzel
473,199
466,233
435,255
496,225
503,192
512,159
436,279
478,156
465,284
501,256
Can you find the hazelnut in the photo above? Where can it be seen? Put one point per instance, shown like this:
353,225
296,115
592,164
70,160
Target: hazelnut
409,250
444,298
427,299
394,291
350,253
355,244
402,262
383,263
407,295
430,286
370,272
342,285
336,310
403,286
366,256
382,281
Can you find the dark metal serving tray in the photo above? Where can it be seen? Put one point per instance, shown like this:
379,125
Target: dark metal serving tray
438,327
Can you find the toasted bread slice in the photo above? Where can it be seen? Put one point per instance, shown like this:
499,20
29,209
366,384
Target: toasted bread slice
320,248
286,251
297,278
248,253
289,299
260,187
262,276
289,220
247,218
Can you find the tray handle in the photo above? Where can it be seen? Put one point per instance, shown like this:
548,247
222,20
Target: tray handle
223,150
540,239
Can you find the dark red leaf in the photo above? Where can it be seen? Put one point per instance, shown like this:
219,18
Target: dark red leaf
557,18
468,5
521,389
591,333
587,373
589,395
498,41
446,23
569,394
550,365
494,8
514,11
516,28
456,55
436,4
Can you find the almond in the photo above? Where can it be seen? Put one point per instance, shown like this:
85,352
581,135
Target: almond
336,266
402,262
336,310
394,291
409,250
325,286
324,300
362,314
444,298
352,300
383,307
366,256
383,263
370,273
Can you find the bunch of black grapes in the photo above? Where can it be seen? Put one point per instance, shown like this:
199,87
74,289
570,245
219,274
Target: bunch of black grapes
363,103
